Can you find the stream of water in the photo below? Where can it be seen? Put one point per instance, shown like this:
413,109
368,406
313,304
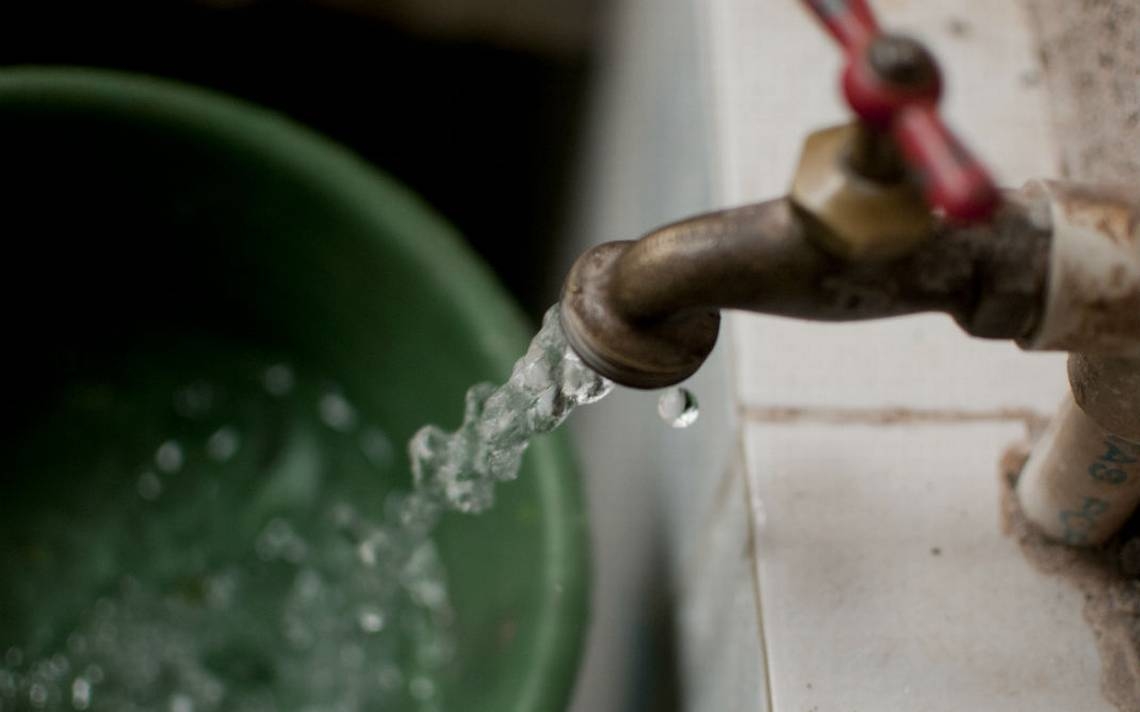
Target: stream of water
326,606
459,470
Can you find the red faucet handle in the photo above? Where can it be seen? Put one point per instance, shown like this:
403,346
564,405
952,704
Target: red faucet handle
952,180
850,22
893,85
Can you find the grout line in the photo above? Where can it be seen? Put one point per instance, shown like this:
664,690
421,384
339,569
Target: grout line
1033,421
888,415
741,468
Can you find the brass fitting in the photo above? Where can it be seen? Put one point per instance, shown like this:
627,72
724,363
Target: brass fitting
854,202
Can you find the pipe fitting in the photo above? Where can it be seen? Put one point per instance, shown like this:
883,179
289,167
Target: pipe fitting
1056,267
848,210
645,314
1081,482
639,351
1092,304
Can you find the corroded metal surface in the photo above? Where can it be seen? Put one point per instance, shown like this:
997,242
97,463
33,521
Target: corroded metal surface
1093,302
1108,389
903,61
635,352
644,313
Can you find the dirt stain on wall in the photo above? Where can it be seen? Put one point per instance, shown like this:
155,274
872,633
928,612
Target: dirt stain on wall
1090,51
1090,54
1108,576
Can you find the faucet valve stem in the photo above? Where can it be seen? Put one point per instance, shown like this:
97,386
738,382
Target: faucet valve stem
892,84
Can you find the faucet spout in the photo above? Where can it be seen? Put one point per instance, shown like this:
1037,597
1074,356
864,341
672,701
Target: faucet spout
646,314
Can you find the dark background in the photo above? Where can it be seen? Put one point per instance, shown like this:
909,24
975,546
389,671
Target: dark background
483,124
483,117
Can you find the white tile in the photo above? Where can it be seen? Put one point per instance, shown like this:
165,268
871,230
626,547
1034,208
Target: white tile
776,78
687,461
994,91
922,362
776,74
721,653
645,160
861,614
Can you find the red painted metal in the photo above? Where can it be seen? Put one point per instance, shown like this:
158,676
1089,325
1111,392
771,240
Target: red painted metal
954,182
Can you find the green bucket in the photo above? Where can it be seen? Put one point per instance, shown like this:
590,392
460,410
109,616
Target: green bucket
161,237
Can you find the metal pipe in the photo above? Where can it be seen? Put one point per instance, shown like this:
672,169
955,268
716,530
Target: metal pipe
645,314
1057,268
1082,481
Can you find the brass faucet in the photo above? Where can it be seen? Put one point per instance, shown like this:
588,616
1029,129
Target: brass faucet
645,314
890,215
853,240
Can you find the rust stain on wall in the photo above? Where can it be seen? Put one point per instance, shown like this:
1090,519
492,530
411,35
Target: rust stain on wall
1090,51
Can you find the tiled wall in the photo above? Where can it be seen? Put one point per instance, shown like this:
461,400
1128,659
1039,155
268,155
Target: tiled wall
883,576
833,530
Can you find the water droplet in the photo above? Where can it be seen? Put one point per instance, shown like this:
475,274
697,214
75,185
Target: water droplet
180,702
297,633
37,695
195,400
149,486
168,457
429,593
278,540
221,589
211,692
104,608
77,644
309,585
371,619
223,444
390,677
376,446
336,412
278,380
373,547
536,374
94,673
422,689
580,382
678,407
58,665
352,656
81,693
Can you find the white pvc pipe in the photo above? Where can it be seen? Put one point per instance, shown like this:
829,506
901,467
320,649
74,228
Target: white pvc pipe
1081,482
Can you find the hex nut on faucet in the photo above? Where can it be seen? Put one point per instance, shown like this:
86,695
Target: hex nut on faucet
853,216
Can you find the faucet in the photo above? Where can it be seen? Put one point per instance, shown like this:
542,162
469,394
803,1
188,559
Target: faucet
890,215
